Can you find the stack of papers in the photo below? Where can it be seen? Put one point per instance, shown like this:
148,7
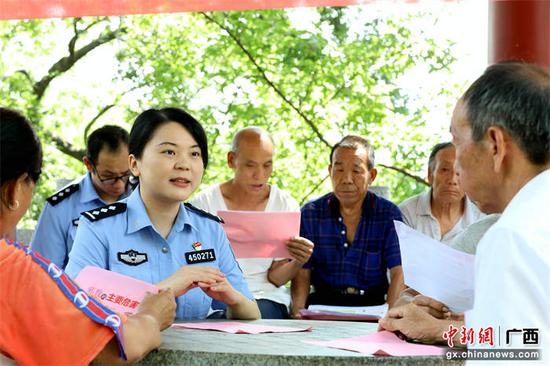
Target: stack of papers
357,313
240,328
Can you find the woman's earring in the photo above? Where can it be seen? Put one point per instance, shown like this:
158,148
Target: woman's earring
14,206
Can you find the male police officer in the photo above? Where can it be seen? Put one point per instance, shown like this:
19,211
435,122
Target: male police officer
106,181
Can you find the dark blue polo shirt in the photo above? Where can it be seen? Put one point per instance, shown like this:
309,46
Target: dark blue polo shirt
362,264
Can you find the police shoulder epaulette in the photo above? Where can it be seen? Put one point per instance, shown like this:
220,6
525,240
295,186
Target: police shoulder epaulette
105,211
62,194
204,213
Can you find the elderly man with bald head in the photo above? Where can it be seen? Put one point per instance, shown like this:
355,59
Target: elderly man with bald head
251,159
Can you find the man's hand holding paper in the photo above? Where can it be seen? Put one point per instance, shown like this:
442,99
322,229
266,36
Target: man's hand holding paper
435,269
299,248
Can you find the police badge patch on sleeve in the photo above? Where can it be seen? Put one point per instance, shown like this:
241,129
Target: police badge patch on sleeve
132,258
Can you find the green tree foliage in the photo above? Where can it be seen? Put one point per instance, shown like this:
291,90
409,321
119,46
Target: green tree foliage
308,86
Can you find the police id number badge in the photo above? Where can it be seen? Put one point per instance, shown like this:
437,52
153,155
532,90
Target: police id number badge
200,256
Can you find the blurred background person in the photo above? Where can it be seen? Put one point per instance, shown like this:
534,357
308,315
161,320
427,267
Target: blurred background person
106,182
444,211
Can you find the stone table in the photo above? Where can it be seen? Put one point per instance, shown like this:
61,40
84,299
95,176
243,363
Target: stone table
202,347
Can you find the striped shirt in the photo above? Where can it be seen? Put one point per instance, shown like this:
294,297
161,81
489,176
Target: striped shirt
363,264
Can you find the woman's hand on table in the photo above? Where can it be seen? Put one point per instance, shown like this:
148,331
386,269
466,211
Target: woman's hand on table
188,277
222,291
238,305
160,306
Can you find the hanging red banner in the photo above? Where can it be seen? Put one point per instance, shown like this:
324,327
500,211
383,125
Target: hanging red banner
31,9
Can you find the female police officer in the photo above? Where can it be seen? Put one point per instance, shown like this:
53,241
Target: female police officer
153,236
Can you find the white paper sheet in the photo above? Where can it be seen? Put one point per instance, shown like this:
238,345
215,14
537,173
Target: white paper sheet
435,269
378,310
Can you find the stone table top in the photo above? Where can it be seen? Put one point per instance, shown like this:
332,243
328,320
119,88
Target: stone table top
203,347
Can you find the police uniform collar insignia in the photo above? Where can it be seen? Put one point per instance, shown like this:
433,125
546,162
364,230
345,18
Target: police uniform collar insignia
62,194
105,211
132,257
204,213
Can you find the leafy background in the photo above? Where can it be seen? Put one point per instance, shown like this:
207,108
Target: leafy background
309,82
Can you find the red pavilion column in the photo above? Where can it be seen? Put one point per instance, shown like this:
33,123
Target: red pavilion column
520,30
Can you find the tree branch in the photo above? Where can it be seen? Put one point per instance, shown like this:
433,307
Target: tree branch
26,74
404,172
65,63
97,21
94,120
72,42
267,79
64,146
341,87
310,192
104,110
287,101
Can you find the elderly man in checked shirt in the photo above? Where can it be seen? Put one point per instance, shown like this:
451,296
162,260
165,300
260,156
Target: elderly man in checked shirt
354,237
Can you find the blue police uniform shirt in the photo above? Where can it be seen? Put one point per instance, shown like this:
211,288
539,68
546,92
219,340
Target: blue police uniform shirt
128,243
56,229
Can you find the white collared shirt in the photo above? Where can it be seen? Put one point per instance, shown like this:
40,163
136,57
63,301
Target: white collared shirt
417,213
255,270
512,270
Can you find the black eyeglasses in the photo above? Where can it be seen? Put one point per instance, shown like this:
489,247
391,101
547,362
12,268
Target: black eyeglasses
112,181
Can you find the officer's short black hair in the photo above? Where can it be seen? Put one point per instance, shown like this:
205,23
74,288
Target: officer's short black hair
109,136
149,121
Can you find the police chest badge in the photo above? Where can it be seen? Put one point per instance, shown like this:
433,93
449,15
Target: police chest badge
199,255
132,258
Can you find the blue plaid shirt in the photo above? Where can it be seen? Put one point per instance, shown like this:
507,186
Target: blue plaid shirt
361,265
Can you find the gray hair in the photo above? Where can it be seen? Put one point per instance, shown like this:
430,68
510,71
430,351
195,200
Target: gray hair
437,148
355,142
516,97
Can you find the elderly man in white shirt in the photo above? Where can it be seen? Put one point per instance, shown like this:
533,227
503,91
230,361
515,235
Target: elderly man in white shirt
444,211
501,130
